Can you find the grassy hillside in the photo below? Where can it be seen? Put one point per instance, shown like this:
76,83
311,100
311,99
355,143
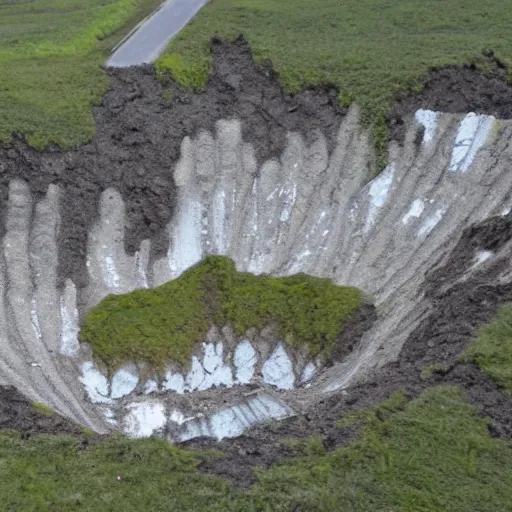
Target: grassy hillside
164,323
428,455
369,49
50,56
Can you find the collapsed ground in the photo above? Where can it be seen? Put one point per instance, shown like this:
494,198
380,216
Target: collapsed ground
133,121
142,121
136,116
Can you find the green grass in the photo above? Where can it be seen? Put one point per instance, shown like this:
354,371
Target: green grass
368,49
51,52
164,323
492,349
430,454
50,473
43,408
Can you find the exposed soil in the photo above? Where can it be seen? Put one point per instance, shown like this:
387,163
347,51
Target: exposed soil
18,413
458,309
458,90
353,330
138,143
139,136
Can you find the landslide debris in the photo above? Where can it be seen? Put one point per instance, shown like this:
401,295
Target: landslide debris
140,126
19,413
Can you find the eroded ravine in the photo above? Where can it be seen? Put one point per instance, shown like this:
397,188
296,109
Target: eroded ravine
309,210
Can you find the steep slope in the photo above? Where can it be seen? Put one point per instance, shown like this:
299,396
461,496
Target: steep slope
311,210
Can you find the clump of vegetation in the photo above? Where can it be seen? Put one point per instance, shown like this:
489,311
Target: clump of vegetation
368,49
434,369
492,349
164,323
51,53
43,408
429,454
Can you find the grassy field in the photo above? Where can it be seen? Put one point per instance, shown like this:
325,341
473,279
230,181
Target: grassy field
51,52
50,55
427,455
368,49
164,323
492,349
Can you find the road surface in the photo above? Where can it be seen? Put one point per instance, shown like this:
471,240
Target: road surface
149,40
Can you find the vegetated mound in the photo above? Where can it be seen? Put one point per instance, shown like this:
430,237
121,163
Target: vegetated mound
164,323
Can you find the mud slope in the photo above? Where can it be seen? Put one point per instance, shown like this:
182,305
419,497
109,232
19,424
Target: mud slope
278,184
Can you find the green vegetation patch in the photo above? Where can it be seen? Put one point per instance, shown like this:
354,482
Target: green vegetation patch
51,52
492,349
434,369
426,455
164,323
56,473
43,408
368,49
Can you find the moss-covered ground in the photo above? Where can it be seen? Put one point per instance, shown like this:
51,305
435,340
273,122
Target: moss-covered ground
430,454
164,323
51,52
492,349
368,49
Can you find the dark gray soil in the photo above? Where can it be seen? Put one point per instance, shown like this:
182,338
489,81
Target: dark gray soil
353,330
457,311
455,89
18,413
138,144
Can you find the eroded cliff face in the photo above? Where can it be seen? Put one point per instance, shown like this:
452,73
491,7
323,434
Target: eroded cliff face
279,184
141,123
310,210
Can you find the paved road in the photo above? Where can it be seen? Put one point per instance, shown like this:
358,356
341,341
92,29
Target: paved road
150,39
